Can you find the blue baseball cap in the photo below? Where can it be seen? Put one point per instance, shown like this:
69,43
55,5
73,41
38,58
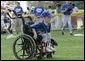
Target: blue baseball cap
46,14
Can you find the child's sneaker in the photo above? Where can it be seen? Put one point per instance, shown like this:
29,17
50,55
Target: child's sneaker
10,36
50,49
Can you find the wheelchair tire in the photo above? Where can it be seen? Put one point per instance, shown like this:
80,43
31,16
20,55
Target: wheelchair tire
28,46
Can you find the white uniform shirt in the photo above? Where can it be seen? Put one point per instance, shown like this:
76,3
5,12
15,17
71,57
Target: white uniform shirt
75,9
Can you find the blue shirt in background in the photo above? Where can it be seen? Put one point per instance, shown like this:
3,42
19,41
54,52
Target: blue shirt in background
38,10
69,8
18,10
5,19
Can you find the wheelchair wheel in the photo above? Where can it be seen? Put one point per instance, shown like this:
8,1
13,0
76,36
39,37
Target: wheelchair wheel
24,47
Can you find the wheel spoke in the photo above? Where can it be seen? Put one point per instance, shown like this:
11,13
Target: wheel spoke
24,47
23,53
19,50
22,40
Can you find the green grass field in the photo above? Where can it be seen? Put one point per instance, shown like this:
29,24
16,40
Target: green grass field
69,47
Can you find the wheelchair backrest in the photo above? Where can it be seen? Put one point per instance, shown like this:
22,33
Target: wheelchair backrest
27,29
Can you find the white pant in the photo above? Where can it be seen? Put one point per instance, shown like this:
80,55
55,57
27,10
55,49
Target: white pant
67,20
46,37
17,24
7,25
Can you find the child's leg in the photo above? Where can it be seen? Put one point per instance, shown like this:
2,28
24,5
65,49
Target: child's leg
9,28
44,42
47,42
10,34
6,28
69,24
64,22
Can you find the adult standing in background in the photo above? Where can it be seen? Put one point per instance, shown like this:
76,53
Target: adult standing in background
17,21
67,10
6,21
74,17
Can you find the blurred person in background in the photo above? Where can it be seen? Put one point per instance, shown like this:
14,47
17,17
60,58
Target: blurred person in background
67,11
74,17
17,22
5,18
37,11
75,8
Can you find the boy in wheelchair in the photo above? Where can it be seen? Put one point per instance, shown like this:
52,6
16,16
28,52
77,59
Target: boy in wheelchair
41,32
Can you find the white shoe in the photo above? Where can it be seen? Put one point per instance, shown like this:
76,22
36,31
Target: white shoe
50,49
10,36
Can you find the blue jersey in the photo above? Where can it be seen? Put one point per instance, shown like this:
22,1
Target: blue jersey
18,9
38,10
41,27
6,19
69,8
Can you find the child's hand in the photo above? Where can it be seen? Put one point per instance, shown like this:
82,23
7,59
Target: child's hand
35,36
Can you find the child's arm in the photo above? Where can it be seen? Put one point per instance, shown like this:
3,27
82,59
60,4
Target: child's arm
34,27
63,8
35,34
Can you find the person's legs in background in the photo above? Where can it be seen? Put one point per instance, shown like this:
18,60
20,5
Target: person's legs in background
9,31
64,20
2,24
17,25
69,24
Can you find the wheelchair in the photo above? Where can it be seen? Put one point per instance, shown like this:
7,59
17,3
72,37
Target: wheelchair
25,47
